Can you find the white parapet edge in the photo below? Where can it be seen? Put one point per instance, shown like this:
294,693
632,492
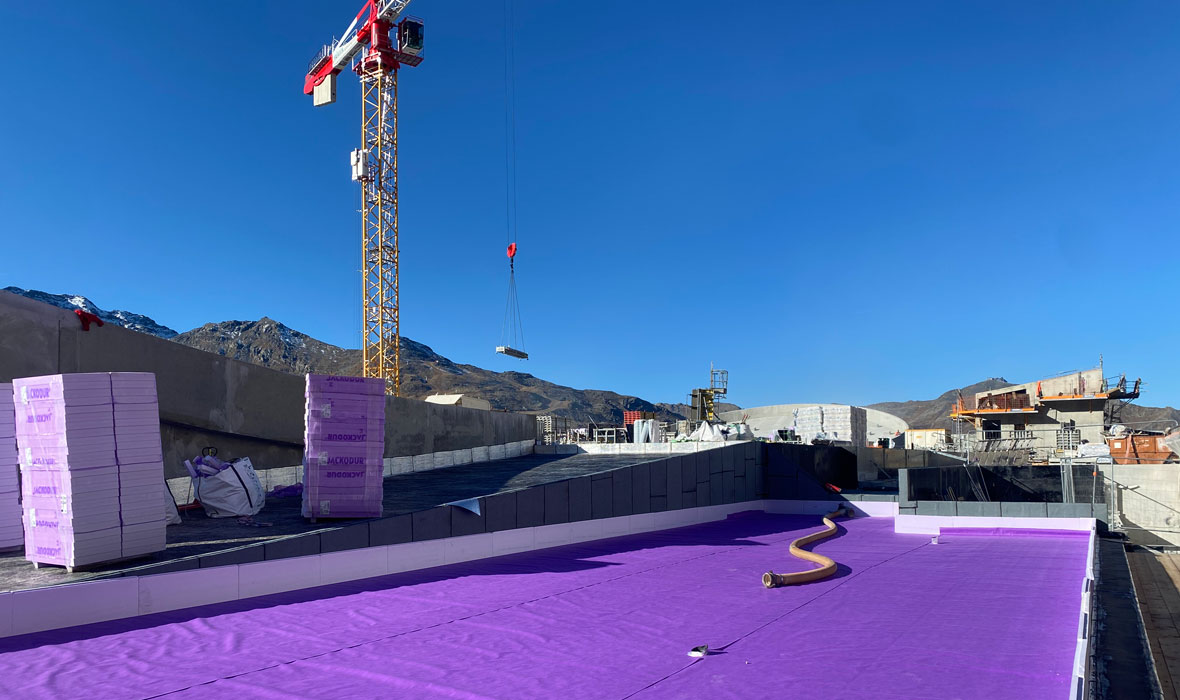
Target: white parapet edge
69,605
655,449
932,524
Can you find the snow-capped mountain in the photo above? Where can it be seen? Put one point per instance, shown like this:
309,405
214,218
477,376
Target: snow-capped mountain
126,319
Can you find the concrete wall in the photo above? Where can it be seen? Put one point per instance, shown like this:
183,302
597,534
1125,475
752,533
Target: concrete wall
1144,501
207,399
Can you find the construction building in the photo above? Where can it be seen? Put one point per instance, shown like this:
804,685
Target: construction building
464,400
1040,421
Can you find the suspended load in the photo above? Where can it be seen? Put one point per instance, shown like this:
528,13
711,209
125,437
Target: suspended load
512,335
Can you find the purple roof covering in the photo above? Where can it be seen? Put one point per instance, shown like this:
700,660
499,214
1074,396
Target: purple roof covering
972,617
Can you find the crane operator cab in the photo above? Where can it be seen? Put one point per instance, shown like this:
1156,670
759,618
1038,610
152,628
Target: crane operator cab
409,36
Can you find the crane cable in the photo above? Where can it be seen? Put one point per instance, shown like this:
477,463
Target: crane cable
512,332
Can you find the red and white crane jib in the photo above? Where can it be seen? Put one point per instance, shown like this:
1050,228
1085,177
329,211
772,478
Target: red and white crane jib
369,29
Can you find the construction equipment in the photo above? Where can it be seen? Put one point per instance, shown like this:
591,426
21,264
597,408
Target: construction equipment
381,41
703,400
512,332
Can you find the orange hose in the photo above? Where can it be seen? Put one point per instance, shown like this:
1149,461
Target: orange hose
827,566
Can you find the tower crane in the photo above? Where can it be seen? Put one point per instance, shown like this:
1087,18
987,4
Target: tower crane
380,40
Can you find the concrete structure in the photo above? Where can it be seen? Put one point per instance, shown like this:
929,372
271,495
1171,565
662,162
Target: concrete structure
207,399
1045,420
464,400
764,421
927,439
1144,501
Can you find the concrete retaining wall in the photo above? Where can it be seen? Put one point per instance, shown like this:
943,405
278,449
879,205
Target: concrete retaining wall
1144,501
207,399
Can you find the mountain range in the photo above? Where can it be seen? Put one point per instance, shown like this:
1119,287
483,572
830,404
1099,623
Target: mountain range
271,344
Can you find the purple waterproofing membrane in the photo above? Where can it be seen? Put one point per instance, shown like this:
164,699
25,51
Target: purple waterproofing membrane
69,389
333,384
971,617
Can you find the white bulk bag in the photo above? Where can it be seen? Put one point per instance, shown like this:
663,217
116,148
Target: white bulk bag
232,492
171,514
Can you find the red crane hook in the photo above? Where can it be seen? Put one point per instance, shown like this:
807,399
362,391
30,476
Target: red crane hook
511,250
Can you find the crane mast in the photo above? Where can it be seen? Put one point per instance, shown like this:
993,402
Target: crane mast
380,44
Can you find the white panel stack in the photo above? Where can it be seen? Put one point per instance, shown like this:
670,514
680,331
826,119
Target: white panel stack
69,478
809,423
91,467
11,530
140,459
848,424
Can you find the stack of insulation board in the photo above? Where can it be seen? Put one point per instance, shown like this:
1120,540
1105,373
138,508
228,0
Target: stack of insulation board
344,447
846,424
65,435
837,423
809,423
91,467
140,458
11,531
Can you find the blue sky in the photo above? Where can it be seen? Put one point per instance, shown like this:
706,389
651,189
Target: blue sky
850,202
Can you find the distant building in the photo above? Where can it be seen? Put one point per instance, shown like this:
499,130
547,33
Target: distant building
464,400
1042,420
927,439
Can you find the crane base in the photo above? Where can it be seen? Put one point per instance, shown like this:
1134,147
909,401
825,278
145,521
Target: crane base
512,352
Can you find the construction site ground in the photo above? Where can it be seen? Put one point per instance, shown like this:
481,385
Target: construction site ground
1157,586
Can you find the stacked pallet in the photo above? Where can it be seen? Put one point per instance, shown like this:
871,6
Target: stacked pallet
91,466
11,533
848,424
344,447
